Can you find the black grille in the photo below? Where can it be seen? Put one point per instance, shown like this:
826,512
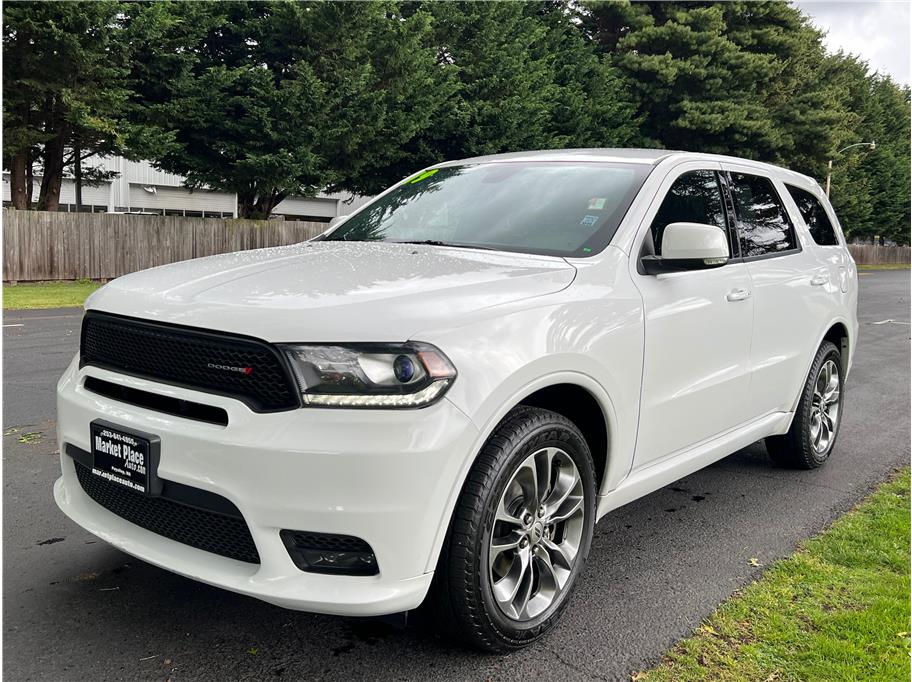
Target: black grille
159,403
212,532
189,357
329,553
326,541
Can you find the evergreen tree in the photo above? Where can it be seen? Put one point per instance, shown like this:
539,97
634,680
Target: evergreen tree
268,99
870,188
752,79
739,78
283,98
517,76
66,92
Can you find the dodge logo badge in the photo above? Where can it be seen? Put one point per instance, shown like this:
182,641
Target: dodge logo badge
229,368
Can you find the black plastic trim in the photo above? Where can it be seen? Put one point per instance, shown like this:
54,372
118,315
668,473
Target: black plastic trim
767,256
728,204
171,490
656,265
187,409
298,540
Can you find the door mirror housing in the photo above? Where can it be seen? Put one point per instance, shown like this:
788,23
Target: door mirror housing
689,246
335,221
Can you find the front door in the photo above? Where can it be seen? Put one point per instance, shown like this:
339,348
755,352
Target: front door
698,324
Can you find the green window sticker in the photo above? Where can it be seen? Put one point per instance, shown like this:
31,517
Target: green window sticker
423,176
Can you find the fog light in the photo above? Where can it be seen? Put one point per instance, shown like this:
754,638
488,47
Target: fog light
329,553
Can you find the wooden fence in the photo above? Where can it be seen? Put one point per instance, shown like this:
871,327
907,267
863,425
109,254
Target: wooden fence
872,254
39,245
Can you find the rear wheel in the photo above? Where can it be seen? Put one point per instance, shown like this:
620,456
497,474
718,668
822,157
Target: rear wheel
810,440
520,533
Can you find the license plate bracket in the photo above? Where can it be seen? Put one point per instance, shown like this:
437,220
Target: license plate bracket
126,457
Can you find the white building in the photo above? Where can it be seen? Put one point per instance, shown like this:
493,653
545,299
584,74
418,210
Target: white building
140,188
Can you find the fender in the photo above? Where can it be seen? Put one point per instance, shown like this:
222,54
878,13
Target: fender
616,468
846,361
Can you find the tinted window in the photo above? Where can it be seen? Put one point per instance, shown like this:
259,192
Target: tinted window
815,216
695,197
763,225
553,208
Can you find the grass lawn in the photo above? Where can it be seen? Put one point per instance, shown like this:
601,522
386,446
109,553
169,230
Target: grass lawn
885,266
47,294
837,610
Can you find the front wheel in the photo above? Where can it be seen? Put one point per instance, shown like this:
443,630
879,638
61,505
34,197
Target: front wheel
520,533
810,440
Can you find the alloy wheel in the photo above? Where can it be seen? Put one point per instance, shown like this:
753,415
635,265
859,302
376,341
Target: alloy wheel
825,407
536,536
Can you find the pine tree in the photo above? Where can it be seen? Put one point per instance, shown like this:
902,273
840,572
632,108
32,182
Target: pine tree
67,93
291,98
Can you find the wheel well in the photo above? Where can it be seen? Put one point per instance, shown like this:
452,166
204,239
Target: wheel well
838,335
579,406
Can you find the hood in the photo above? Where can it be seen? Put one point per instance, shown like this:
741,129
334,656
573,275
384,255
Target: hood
333,291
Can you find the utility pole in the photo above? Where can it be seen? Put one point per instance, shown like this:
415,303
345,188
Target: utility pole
870,144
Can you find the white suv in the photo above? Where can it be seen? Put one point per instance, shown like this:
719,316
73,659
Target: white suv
440,396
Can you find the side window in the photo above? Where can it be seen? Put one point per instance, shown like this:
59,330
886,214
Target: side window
763,224
815,216
695,197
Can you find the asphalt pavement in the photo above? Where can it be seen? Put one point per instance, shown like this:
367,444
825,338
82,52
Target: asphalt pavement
74,608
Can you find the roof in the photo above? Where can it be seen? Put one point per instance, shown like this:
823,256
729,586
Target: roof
620,155
650,156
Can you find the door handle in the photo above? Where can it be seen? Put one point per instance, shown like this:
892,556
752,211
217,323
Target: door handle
737,295
819,280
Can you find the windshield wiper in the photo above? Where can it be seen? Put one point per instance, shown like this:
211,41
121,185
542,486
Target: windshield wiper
438,242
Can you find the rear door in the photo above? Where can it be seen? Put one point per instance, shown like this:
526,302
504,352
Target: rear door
808,208
698,323
790,287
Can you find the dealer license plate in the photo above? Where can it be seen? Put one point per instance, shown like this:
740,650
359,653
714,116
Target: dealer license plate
121,457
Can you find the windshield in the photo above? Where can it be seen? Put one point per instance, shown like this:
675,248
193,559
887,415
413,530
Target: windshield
553,208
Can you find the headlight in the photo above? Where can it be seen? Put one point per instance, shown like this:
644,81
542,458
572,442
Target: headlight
370,375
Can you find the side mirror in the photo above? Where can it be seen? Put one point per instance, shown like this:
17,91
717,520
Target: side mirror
335,221
689,246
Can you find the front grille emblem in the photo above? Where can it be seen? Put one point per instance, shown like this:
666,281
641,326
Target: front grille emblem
228,368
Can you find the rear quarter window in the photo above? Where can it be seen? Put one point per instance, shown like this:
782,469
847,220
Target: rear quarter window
815,216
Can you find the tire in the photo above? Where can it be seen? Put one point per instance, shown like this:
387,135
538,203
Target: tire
473,581
812,435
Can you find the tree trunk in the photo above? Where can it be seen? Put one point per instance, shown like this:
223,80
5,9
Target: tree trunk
52,171
18,180
268,203
77,178
245,203
257,206
30,177
52,177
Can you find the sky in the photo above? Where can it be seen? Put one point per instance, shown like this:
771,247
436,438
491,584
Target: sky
876,31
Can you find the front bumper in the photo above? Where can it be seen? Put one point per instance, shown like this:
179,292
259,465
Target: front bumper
386,476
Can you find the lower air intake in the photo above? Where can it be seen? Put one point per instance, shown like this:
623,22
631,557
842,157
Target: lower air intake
209,531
